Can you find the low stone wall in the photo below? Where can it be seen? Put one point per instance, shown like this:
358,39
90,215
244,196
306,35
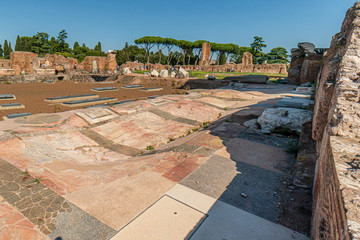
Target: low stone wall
336,128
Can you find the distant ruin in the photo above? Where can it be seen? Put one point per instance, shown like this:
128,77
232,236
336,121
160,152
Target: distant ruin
305,63
28,63
22,63
205,54
246,66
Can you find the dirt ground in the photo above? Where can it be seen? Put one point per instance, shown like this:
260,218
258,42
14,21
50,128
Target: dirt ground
32,95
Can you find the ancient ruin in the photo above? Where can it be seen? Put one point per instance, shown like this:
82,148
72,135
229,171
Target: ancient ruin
205,54
30,63
336,127
305,63
246,66
238,158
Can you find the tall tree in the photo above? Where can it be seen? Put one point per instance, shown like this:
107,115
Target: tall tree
160,44
222,58
187,48
147,43
257,45
41,44
54,45
278,55
26,43
169,43
18,43
1,51
237,57
6,50
76,45
63,45
98,47
10,48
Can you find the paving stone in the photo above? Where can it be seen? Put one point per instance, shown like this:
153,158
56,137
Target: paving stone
189,109
54,214
39,119
133,131
288,143
15,226
158,222
220,178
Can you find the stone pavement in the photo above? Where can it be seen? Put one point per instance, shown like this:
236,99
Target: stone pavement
169,167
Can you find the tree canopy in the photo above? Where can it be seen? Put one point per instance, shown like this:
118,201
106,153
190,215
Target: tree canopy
41,43
168,50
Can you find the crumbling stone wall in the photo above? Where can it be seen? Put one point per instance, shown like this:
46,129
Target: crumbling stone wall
305,64
53,60
247,59
336,128
100,64
24,62
29,63
205,54
4,64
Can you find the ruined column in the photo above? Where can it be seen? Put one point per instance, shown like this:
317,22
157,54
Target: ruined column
205,54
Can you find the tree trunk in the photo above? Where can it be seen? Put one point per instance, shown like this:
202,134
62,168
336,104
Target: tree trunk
211,56
178,59
169,58
160,54
184,58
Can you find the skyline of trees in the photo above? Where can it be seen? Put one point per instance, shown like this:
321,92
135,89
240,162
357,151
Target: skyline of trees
42,43
148,49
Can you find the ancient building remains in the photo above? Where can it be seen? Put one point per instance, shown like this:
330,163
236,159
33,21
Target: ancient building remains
30,63
247,59
336,128
305,63
23,62
205,54
246,66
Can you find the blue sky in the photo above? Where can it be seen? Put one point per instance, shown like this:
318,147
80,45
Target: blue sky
280,22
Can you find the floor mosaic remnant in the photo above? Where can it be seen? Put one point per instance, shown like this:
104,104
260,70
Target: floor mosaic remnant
135,170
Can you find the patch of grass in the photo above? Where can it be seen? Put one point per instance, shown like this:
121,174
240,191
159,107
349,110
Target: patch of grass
141,72
150,148
26,172
171,139
226,108
205,124
38,180
219,116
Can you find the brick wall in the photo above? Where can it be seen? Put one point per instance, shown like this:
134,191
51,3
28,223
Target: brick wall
336,128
